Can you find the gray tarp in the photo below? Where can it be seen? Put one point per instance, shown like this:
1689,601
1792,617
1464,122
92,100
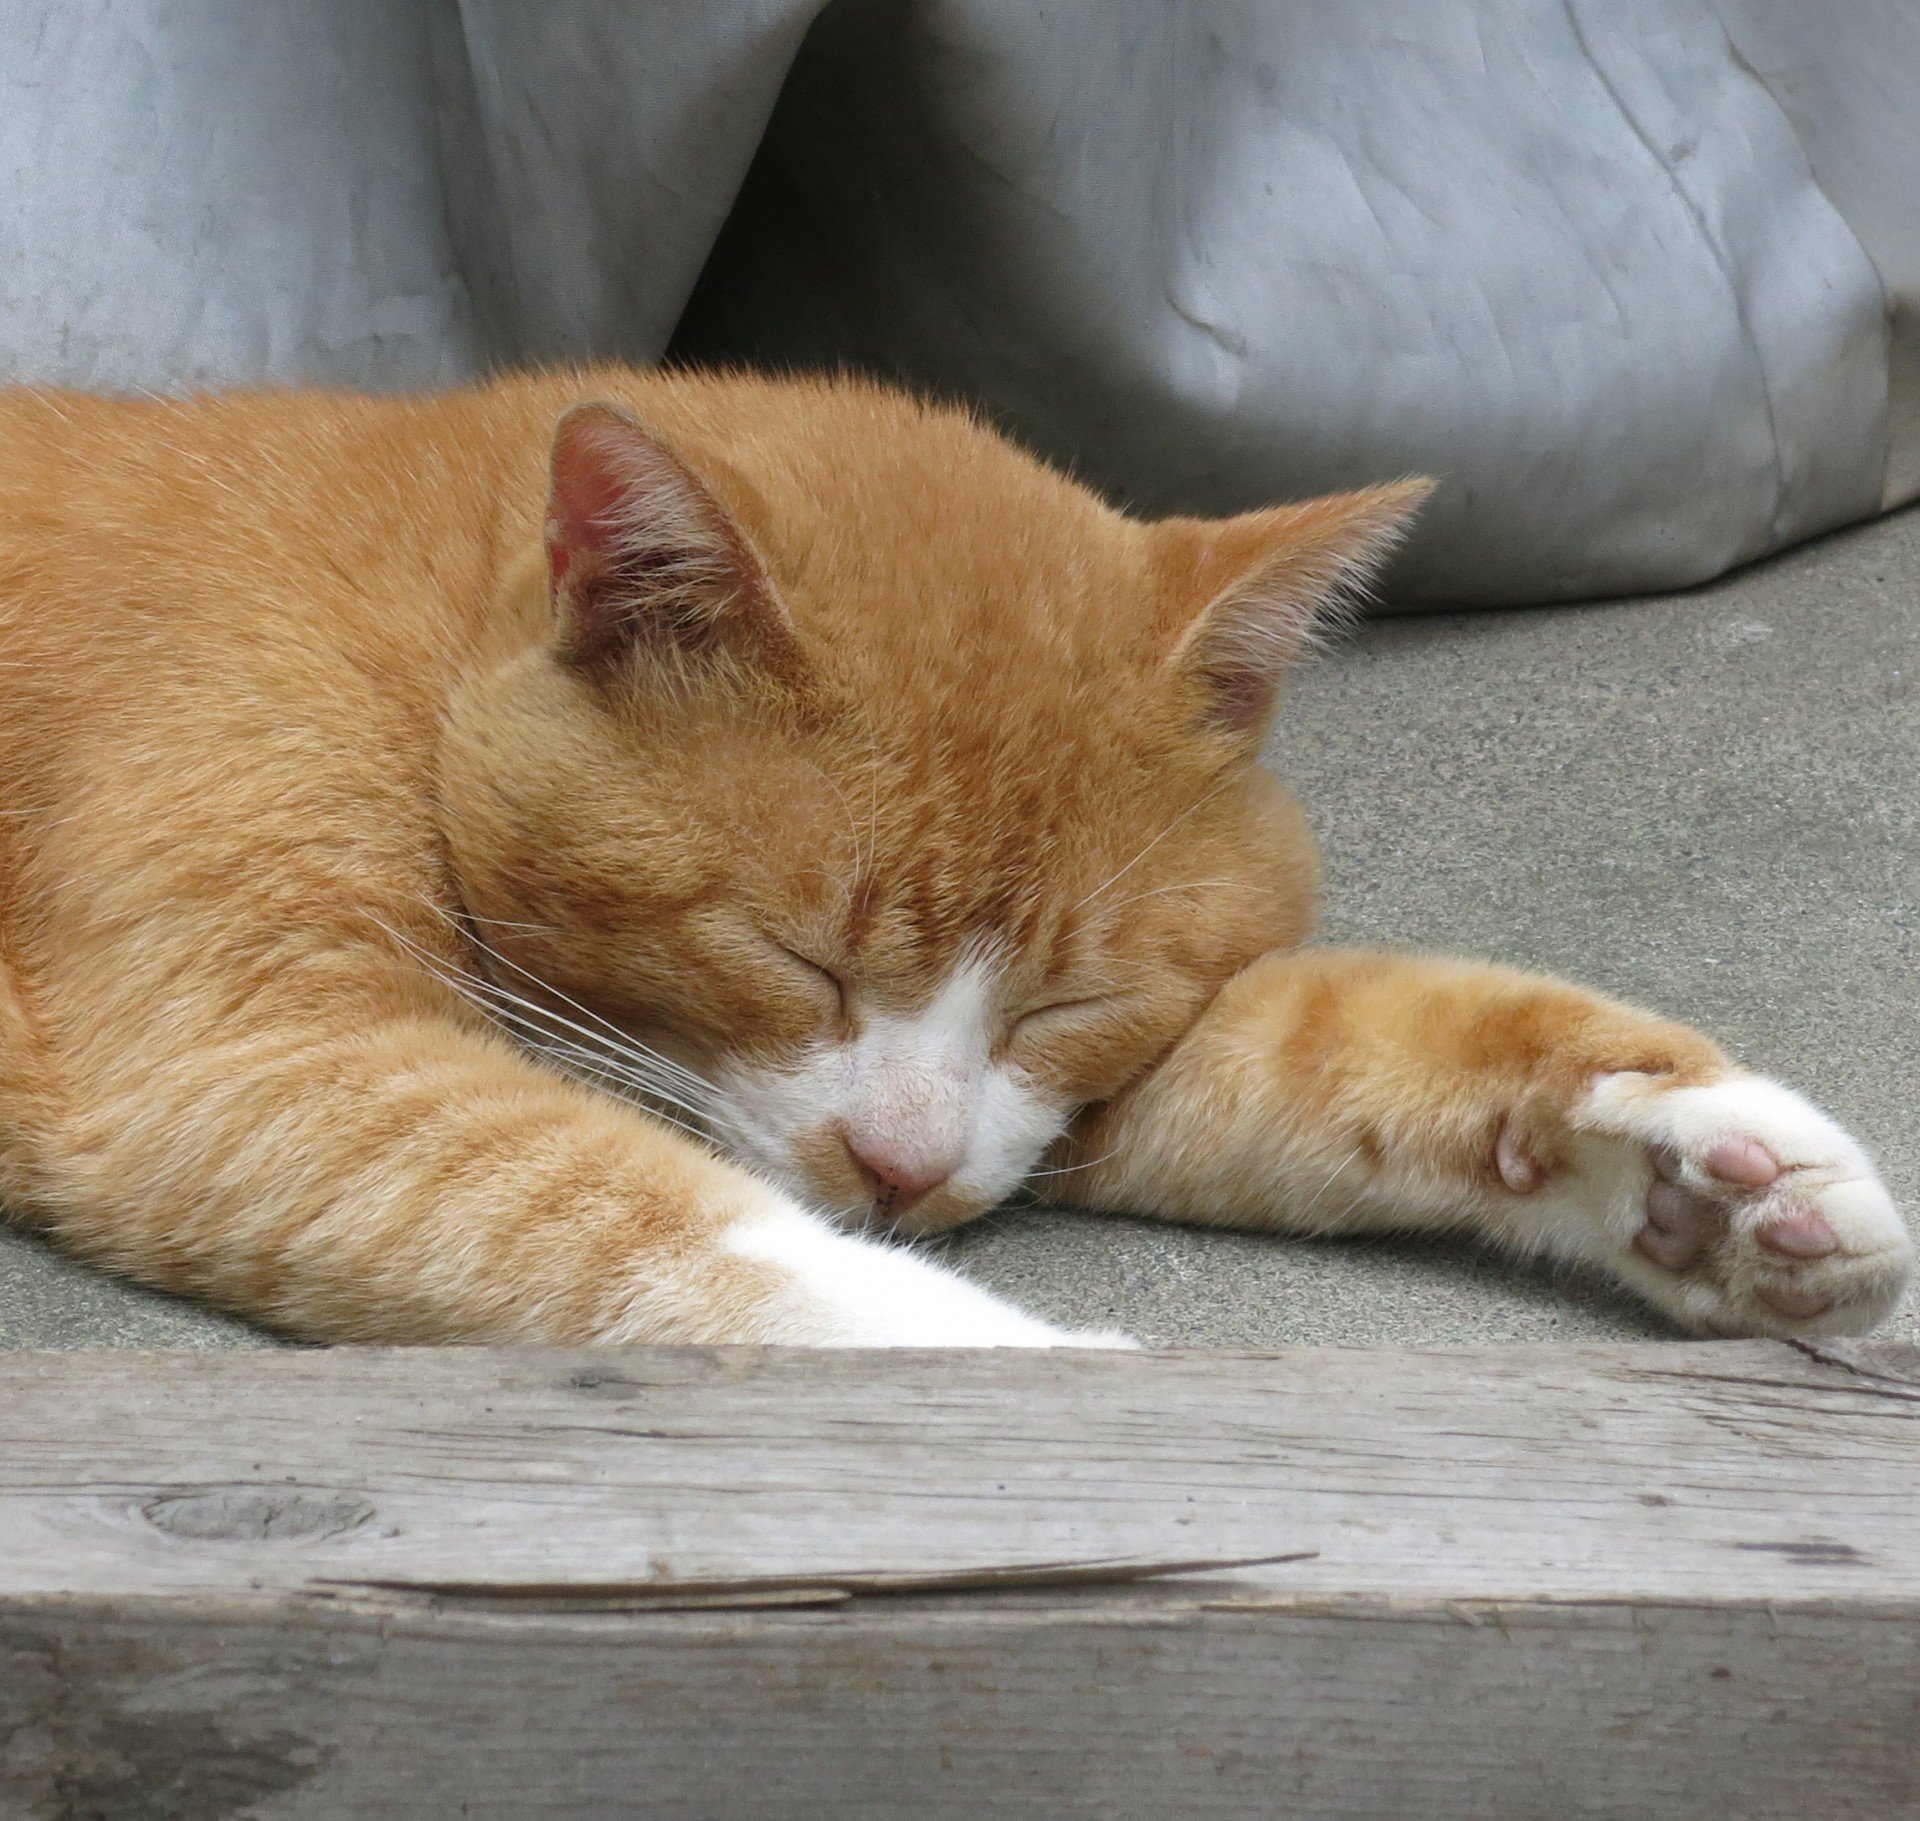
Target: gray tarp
1637,278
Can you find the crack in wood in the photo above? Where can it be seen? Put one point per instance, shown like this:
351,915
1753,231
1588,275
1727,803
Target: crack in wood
821,1589
1876,1383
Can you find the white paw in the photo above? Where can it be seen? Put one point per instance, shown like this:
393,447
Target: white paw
1738,1207
835,1289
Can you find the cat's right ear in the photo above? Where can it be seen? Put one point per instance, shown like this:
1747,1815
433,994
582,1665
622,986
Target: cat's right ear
643,560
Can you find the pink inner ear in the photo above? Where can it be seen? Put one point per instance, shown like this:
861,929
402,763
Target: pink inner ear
595,474
1242,647
631,539
1268,578
1242,696
640,554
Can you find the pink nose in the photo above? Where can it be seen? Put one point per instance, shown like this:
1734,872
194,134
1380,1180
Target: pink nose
894,1178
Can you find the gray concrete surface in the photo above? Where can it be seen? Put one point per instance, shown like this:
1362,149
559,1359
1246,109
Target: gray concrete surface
1708,804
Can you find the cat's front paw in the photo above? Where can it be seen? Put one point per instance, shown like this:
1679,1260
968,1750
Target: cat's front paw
1737,1207
821,1287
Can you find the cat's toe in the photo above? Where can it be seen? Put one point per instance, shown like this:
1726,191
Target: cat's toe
1758,1215
1799,1233
1741,1160
1681,1227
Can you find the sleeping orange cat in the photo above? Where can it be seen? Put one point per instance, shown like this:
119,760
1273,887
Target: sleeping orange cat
583,858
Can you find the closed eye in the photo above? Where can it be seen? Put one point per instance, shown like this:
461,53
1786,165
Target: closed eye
817,971
1061,1012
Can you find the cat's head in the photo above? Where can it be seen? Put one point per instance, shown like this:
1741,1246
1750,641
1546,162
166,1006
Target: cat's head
892,786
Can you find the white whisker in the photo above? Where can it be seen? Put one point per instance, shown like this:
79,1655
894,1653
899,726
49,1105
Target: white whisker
610,1057
539,929
1338,1170
873,793
1192,808
627,1044
576,1060
853,826
600,1060
1186,885
1067,1169
595,1070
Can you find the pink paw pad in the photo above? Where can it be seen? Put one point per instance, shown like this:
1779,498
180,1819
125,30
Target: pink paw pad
1795,1305
1756,1213
1801,1234
1680,1226
1745,1162
1684,1225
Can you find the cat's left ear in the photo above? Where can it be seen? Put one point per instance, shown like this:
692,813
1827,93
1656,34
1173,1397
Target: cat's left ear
642,559
1269,582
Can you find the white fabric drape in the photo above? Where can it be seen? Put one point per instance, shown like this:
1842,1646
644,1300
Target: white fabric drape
1636,278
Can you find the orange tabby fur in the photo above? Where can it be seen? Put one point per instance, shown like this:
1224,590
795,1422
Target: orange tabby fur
299,705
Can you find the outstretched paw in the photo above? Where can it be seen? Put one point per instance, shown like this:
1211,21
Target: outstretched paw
1738,1207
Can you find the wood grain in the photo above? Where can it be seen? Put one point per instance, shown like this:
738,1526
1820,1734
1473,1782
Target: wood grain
1635,1581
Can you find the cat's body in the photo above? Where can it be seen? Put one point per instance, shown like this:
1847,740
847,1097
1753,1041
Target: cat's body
865,796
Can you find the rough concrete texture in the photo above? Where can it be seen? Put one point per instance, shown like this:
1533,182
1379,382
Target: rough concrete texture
1709,804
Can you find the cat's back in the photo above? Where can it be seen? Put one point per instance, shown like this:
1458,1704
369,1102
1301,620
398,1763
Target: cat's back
154,551
226,623
116,502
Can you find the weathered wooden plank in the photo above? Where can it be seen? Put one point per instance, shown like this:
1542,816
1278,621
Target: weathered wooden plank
1737,1470
1635,1581
1149,1707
